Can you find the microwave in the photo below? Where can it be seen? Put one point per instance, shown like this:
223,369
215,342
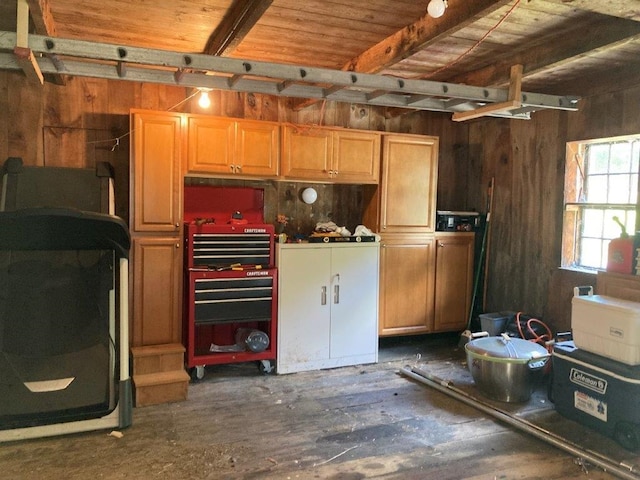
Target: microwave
455,221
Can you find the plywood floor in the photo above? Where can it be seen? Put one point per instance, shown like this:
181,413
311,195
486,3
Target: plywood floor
349,423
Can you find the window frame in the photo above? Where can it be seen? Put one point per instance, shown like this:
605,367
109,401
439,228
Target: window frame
572,206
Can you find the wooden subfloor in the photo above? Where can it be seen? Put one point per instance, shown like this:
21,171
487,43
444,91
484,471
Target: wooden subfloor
348,423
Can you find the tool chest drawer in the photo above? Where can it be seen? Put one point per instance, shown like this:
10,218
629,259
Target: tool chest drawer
219,300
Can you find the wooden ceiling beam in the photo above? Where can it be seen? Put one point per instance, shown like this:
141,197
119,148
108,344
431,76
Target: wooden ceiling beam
413,38
236,24
545,56
41,16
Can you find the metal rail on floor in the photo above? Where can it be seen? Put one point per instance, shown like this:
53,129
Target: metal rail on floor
621,470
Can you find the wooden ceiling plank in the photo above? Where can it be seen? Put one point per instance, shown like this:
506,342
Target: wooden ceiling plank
542,57
616,8
235,25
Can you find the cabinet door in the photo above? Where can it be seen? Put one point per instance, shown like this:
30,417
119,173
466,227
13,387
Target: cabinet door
210,145
157,281
257,148
304,304
454,280
306,153
406,284
409,183
354,301
156,176
356,157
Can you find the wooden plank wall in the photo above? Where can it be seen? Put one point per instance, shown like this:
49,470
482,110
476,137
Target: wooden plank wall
527,160
77,124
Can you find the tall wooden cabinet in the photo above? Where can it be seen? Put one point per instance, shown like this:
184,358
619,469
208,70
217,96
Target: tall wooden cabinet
403,209
156,274
156,227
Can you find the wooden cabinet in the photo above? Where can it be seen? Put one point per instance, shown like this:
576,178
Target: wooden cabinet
407,277
454,280
157,274
232,147
327,305
323,154
402,210
156,179
406,199
156,227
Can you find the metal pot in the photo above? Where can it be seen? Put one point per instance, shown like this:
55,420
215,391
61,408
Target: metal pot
505,368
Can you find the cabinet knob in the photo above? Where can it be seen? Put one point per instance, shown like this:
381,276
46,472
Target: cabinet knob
177,245
238,168
232,168
440,244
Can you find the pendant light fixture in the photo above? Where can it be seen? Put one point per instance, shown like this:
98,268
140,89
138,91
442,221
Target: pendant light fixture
436,8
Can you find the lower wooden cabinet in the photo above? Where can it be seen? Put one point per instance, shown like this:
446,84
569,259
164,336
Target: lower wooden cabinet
425,282
454,280
157,300
407,277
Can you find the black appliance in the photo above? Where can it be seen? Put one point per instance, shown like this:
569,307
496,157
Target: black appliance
457,221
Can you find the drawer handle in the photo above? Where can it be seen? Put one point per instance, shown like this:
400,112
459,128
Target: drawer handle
323,295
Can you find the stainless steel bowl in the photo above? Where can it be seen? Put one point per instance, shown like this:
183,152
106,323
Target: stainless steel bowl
505,368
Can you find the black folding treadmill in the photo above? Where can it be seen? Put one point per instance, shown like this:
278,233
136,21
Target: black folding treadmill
64,330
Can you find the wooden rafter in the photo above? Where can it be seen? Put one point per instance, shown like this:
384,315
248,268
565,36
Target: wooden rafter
235,25
418,35
42,19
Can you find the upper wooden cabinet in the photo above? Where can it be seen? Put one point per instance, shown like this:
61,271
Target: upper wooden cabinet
407,197
324,154
232,147
156,176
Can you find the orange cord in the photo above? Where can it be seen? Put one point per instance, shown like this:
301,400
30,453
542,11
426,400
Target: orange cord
539,339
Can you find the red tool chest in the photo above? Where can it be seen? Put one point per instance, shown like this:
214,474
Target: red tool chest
230,283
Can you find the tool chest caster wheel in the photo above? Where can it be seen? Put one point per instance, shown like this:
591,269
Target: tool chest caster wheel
197,373
266,367
627,434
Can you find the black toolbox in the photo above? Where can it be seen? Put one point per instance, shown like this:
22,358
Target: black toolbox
597,392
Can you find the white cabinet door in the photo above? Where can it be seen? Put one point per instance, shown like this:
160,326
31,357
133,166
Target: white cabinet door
354,301
303,307
327,306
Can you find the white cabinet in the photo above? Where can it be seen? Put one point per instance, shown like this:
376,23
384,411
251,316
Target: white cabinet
327,305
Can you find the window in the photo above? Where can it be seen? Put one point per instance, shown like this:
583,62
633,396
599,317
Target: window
601,196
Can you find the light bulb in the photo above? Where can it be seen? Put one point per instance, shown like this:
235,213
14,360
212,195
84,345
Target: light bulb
436,8
204,101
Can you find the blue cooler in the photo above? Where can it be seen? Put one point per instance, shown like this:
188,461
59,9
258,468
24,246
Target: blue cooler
597,392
